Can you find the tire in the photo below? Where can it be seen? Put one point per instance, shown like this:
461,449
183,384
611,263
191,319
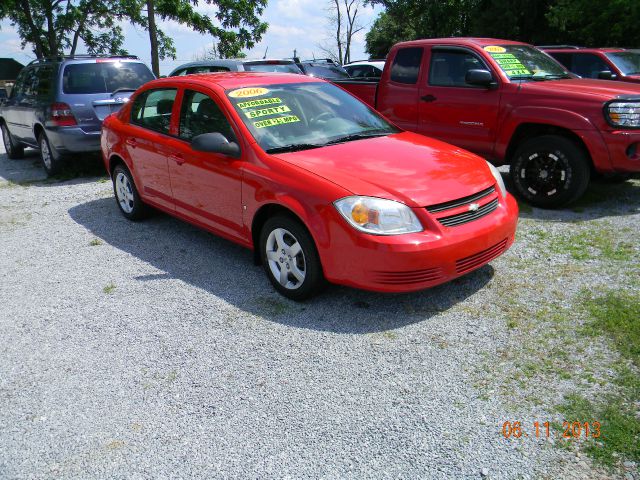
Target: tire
550,171
127,196
51,160
302,277
13,149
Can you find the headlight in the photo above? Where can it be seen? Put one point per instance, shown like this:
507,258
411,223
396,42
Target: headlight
499,180
623,114
378,216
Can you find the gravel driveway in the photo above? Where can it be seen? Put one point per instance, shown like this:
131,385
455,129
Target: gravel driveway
156,350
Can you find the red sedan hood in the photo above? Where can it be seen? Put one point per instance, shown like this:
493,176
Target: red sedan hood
408,167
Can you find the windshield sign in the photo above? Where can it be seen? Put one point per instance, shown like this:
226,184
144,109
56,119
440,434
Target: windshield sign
298,116
521,62
627,62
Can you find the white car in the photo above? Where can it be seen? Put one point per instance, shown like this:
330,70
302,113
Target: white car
365,68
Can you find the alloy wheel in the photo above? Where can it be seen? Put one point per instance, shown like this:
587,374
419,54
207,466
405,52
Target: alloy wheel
286,259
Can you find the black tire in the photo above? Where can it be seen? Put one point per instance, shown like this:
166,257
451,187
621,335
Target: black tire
51,160
550,171
306,261
126,194
13,149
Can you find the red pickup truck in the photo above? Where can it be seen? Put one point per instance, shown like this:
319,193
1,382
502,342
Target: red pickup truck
512,104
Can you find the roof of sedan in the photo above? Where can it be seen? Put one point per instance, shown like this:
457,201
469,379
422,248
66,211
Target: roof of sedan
227,80
482,42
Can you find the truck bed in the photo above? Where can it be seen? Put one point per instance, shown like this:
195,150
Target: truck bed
365,90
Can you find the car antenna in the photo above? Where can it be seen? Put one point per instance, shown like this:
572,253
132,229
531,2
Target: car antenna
265,52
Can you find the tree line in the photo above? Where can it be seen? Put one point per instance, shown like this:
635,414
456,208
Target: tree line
540,22
56,27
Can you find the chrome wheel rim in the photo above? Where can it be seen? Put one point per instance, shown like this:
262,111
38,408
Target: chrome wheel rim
124,193
45,152
286,259
6,139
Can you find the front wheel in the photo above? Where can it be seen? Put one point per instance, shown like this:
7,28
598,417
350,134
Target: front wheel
290,258
14,151
550,171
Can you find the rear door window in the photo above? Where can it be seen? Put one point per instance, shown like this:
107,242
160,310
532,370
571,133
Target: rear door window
152,109
104,77
44,76
406,65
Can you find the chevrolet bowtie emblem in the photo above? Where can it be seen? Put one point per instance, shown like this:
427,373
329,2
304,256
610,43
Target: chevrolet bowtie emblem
473,207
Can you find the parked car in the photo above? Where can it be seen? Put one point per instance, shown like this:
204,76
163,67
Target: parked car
230,65
366,69
57,104
513,104
319,185
602,63
326,69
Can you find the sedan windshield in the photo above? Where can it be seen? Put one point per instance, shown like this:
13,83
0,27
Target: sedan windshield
522,62
300,116
627,62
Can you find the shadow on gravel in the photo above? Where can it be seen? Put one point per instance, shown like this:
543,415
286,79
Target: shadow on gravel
181,251
28,171
600,200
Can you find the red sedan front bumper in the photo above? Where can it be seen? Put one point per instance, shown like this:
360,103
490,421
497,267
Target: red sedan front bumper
404,263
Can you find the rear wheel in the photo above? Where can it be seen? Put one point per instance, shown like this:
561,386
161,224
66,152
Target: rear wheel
290,258
51,160
13,149
550,171
127,196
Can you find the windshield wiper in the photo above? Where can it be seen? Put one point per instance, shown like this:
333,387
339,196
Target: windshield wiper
294,147
357,136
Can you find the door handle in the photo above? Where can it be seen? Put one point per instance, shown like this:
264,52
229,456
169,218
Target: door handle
131,142
177,158
428,98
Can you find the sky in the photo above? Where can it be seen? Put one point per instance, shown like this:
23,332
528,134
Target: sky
293,24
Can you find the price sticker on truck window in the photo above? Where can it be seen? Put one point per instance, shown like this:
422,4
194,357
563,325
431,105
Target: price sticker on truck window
259,102
263,112
272,122
510,64
248,92
494,49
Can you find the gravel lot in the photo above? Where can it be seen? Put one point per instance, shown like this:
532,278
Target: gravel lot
153,349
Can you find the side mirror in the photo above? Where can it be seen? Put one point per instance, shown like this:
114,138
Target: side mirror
215,143
606,75
480,78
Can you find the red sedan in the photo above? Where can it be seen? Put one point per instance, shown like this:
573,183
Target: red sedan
319,185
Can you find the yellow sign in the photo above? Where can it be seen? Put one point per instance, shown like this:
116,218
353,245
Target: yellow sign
272,122
495,49
258,103
266,111
248,92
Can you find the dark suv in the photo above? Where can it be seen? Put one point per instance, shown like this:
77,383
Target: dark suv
57,104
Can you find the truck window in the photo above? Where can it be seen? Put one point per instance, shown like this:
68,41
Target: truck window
449,67
406,65
588,65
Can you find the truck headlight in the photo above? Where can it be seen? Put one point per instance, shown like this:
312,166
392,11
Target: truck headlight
499,180
622,113
378,216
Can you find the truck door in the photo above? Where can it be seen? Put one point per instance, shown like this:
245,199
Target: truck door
398,89
454,111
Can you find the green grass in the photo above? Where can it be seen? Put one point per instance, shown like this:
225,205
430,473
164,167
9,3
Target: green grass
596,241
109,288
615,315
95,242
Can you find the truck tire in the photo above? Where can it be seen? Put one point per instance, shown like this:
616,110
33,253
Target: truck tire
550,171
14,150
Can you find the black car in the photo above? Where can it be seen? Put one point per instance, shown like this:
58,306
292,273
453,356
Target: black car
57,104
324,68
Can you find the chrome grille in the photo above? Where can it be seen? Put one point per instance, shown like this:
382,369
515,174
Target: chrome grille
465,217
440,207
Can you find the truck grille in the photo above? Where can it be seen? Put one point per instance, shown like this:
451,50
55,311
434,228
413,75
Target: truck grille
468,215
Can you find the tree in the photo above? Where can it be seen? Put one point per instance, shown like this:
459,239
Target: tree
240,25
384,33
52,27
343,19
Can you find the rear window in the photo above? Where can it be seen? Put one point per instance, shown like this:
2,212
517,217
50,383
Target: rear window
406,65
283,67
105,77
326,71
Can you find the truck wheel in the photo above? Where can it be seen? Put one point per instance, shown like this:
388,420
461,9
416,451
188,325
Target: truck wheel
14,151
290,258
51,160
550,171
